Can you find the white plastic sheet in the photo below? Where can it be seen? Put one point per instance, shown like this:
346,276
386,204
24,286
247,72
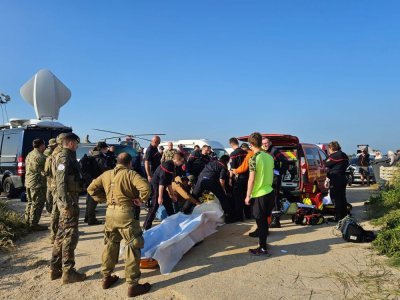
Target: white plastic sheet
177,234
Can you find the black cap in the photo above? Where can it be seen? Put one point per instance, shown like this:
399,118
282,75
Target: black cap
72,136
101,145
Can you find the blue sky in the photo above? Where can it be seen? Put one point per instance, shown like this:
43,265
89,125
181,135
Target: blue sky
321,70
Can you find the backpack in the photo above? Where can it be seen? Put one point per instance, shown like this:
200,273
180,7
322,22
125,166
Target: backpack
90,168
353,232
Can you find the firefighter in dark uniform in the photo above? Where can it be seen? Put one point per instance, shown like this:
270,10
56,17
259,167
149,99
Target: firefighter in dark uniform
239,182
197,161
280,167
152,157
213,179
99,155
337,164
161,184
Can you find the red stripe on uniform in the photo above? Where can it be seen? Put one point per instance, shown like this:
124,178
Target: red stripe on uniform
166,170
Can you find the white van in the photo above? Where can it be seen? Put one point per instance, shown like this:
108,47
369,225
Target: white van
188,145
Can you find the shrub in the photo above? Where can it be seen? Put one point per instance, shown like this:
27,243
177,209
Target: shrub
385,209
12,226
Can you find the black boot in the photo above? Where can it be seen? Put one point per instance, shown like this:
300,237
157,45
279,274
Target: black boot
254,233
275,223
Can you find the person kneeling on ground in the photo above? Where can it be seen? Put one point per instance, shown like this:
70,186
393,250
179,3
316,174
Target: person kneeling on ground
260,193
160,182
213,179
122,188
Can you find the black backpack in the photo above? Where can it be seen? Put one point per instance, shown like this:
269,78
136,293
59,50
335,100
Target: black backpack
353,232
90,168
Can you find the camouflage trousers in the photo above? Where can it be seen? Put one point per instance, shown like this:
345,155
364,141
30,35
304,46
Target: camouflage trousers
63,256
120,224
36,198
49,200
55,216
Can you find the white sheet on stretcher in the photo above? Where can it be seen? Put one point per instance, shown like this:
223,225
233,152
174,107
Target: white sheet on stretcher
177,234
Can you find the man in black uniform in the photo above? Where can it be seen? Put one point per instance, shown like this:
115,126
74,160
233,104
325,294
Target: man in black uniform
337,164
99,155
280,167
213,179
111,157
239,182
161,184
152,158
197,161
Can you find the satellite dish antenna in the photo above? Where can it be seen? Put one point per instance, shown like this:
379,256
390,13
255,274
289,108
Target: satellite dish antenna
46,93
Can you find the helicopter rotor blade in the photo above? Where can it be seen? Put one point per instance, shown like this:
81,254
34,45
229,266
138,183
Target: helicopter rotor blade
123,134
115,137
144,134
144,139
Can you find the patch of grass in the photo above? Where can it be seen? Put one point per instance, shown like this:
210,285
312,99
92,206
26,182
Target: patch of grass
372,281
385,212
394,262
388,242
12,226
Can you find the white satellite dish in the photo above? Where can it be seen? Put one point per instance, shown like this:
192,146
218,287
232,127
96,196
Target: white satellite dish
46,93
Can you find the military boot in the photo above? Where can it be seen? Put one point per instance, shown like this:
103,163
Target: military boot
139,289
55,274
72,276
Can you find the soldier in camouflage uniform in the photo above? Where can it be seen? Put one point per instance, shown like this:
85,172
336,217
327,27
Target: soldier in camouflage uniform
68,184
122,188
47,172
51,170
169,153
35,184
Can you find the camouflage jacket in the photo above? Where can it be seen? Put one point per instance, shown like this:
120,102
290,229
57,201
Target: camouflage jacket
168,155
119,186
68,178
48,152
35,162
50,168
47,166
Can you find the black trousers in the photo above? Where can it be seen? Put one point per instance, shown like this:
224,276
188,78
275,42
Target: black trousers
90,213
151,214
277,188
338,195
239,194
262,209
205,184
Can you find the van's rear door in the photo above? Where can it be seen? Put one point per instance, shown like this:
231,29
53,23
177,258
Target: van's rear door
288,145
277,139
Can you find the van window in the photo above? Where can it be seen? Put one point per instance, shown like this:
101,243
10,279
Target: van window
45,134
323,155
30,135
11,141
313,157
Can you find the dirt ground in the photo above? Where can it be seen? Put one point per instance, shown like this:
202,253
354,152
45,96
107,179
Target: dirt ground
306,262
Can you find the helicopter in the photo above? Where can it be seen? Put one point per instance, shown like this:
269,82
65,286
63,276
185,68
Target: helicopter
130,139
